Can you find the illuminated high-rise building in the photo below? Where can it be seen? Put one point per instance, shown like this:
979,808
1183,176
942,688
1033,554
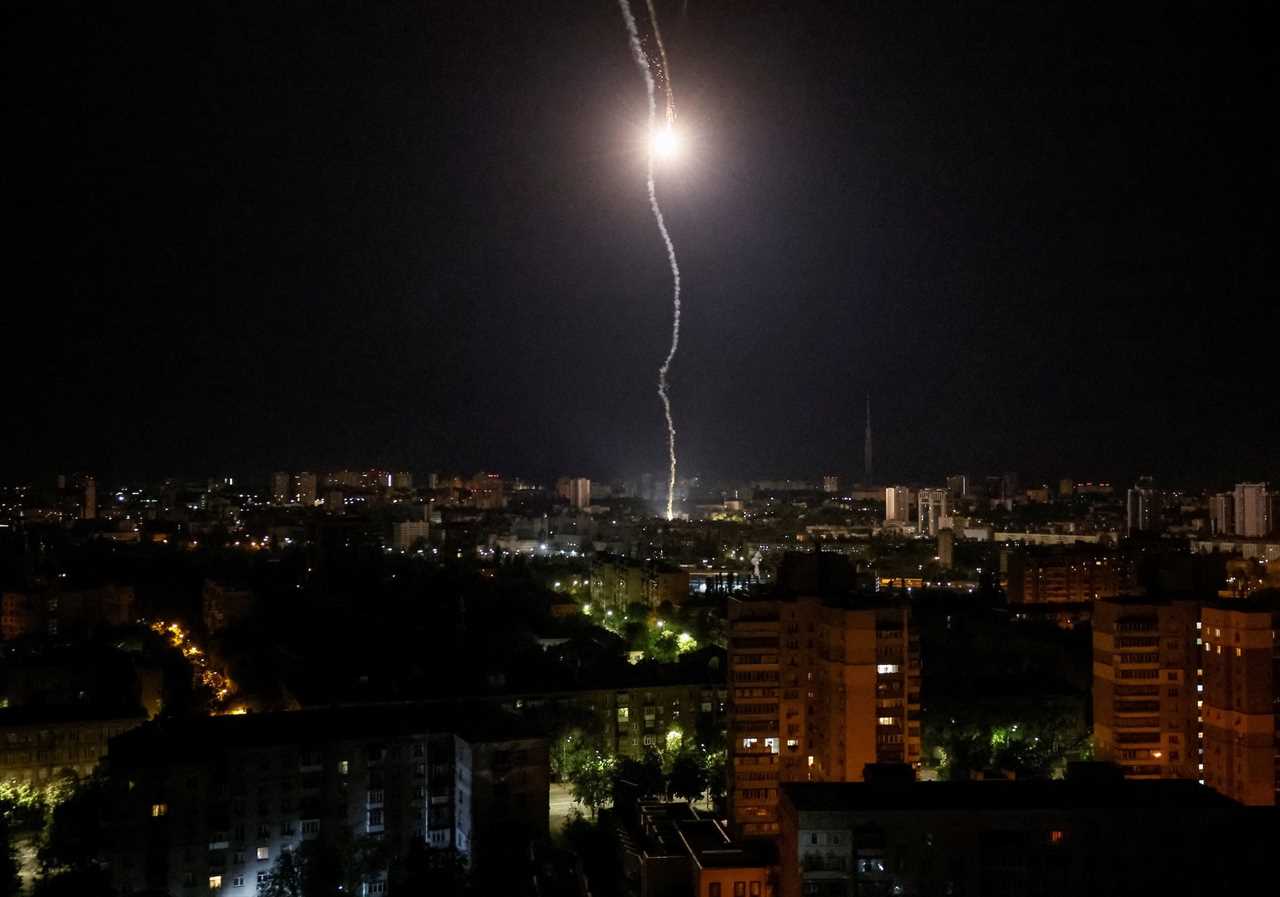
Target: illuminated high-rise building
1222,513
824,681
488,492
304,488
89,494
1240,657
575,490
1143,508
897,504
1144,686
947,548
958,485
932,505
1252,509
280,492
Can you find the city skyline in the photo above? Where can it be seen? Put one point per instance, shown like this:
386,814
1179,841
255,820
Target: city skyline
628,449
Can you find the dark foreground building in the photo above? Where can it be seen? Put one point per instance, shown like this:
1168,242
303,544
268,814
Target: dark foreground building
210,804
1095,833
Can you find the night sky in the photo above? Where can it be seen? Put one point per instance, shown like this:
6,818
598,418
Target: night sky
250,236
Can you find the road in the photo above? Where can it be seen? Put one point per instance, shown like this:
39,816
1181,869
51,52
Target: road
560,807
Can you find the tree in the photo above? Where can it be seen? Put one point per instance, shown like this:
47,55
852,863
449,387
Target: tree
9,881
717,776
86,881
75,838
286,877
592,782
325,870
433,871
688,776
645,774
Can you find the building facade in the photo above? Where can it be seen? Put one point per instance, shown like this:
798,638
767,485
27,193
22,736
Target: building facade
1252,507
58,612
1145,661
1143,509
1018,839
1222,514
932,506
575,490
897,505
1067,574
821,687
281,494
1241,712
210,804
38,744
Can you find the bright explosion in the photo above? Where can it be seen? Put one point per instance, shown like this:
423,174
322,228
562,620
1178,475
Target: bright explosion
665,142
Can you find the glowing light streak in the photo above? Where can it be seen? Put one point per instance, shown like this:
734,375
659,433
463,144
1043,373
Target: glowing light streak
637,51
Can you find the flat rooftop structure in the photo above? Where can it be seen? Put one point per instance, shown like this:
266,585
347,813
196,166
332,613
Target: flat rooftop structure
1004,795
712,848
1256,602
165,740
62,714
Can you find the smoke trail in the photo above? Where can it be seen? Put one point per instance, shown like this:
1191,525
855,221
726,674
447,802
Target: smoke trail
663,393
666,66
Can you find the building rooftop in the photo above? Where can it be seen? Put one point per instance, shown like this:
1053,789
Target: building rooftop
950,797
170,739
52,715
711,848
1260,601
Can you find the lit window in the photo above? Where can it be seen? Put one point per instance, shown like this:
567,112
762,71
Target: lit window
158,810
887,720
215,882
264,853
750,742
1056,836
772,745
344,767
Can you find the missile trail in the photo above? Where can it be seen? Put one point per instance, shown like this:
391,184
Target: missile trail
666,66
642,60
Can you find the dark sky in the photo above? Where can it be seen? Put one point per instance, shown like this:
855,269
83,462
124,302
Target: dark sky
249,236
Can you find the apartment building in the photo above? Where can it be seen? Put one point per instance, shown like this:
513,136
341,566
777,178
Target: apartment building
824,680
630,718
1093,833
1241,662
38,744
1145,661
211,803
55,611
618,583
1059,575
670,850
